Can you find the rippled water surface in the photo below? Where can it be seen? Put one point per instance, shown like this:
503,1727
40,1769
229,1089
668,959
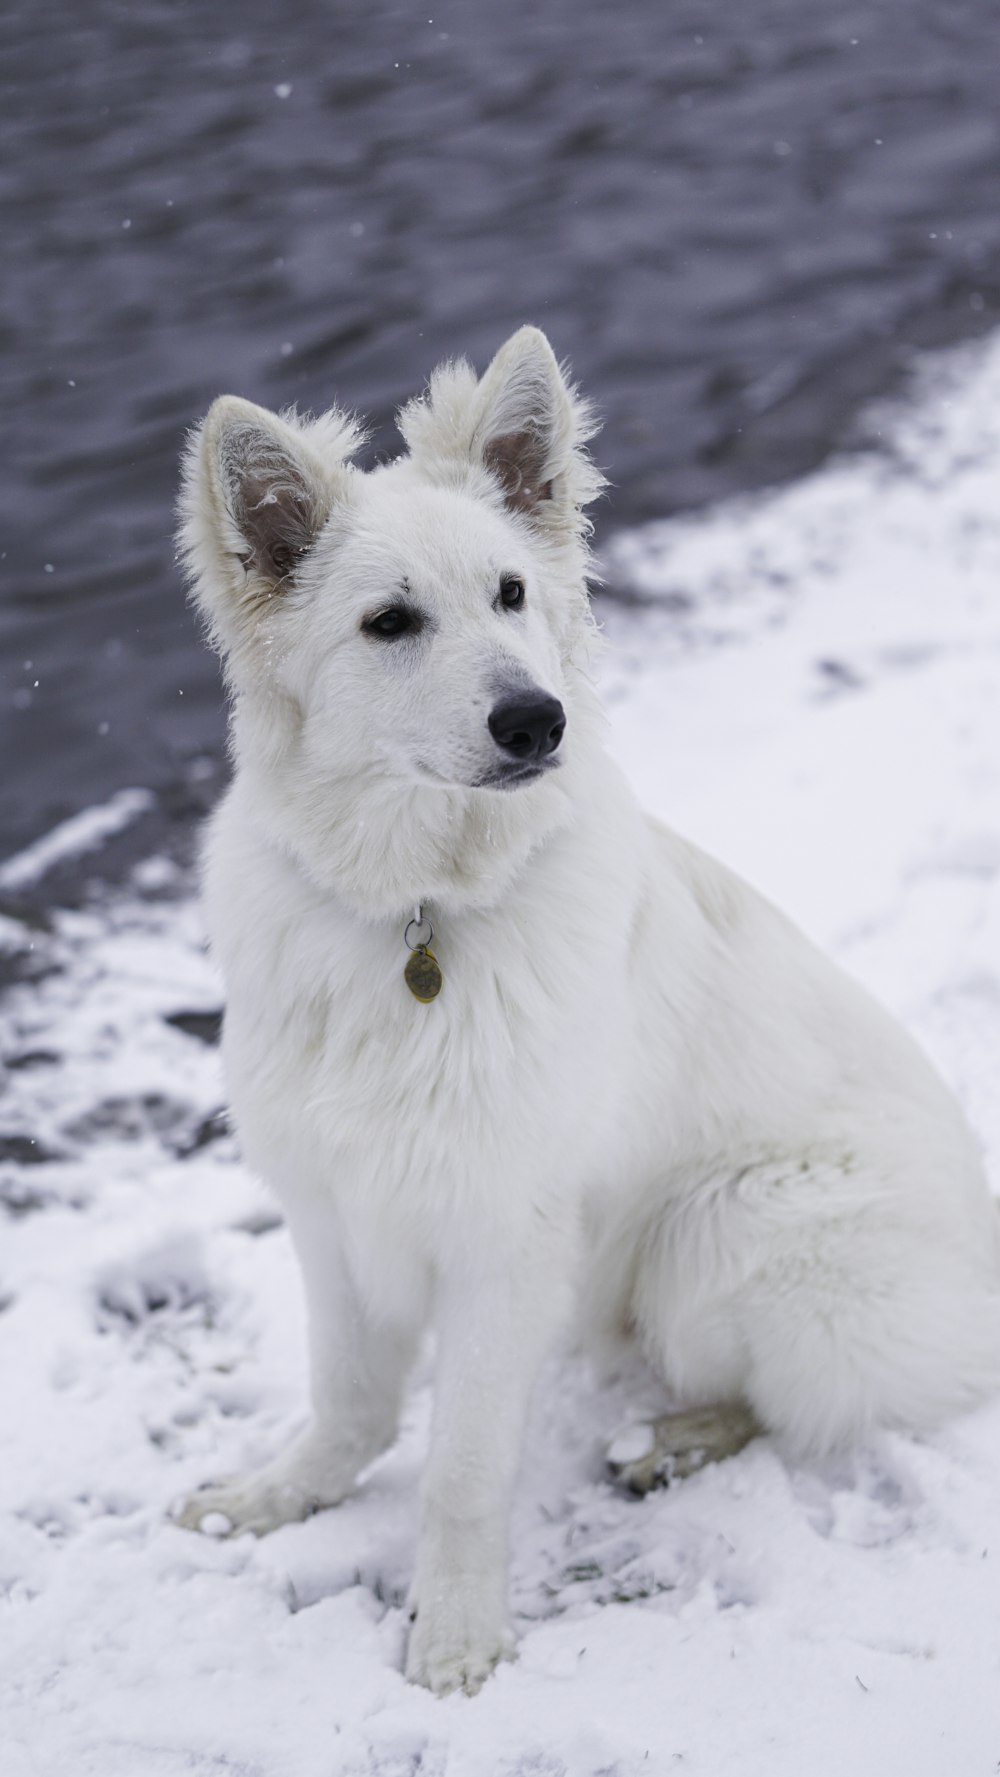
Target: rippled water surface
736,222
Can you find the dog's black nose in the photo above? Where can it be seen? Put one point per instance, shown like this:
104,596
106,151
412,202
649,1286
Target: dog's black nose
528,727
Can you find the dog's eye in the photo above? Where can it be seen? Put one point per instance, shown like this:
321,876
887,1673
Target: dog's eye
511,592
396,621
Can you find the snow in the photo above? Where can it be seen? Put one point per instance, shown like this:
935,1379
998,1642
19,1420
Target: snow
819,702
82,832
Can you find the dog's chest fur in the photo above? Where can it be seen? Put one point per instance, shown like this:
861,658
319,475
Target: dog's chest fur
339,1075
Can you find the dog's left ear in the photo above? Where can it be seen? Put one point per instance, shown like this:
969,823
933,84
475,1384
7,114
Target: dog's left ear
525,431
522,422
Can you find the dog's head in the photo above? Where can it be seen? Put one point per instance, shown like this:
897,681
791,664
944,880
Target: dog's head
422,624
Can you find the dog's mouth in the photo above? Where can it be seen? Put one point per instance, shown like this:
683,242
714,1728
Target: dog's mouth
515,776
512,775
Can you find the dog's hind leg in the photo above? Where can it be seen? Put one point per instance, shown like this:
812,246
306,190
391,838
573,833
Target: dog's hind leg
357,1370
834,1299
678,1444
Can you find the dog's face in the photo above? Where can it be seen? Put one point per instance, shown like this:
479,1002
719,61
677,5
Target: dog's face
426,642
414,624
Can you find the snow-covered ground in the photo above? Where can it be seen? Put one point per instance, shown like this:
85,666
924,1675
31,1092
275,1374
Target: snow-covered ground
820,704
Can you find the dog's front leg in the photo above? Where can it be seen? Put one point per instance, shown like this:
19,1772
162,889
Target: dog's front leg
493,1329
357,1367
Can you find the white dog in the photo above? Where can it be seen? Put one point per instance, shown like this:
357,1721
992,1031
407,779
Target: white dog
614,1079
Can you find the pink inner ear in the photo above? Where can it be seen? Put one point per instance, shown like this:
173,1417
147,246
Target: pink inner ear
517,459
274,514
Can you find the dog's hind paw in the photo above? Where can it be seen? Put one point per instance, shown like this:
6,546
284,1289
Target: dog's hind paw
678,1445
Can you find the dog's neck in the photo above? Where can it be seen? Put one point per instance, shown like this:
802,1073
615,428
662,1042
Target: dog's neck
390,850
385,847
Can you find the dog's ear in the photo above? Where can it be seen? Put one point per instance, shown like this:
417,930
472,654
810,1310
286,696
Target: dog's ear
257,490
527,422
523,424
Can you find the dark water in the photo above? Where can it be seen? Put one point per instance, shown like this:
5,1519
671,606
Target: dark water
736,221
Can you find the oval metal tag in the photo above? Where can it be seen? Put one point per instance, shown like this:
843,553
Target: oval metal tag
423,975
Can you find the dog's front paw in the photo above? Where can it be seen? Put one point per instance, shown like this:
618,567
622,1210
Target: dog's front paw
256,1504
455,1644
304,1479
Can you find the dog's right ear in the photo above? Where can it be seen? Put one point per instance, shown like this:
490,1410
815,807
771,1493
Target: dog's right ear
257,489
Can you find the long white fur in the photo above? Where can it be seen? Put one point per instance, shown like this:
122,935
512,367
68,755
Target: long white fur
643,1101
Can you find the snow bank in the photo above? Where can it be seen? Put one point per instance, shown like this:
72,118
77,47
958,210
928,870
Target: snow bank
818,701
82,832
